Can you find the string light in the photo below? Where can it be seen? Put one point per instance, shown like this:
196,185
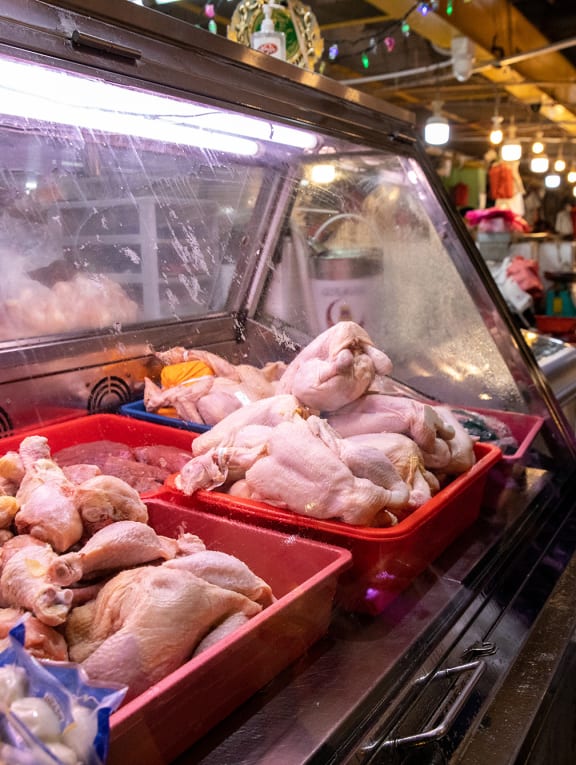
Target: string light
365,60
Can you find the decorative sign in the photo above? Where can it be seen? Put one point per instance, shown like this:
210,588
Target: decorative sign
304,43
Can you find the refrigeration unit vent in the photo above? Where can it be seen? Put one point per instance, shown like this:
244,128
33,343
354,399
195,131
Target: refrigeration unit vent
108,394
6,425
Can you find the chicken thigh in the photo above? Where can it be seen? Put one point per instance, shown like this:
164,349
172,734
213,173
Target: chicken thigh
106,499
46,498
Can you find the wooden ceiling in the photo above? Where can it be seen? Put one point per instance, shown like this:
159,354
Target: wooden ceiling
523,67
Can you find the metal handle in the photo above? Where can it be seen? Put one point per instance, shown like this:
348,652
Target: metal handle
433,734
81,40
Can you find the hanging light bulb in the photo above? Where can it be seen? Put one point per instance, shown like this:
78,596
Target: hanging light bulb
539,163
571,177
560,163
538,146
552,181
496,134
511,150
437,128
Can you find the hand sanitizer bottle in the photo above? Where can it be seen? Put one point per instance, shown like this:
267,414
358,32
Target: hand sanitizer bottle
267,39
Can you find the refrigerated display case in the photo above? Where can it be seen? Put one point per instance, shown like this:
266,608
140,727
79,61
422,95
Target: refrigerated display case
162,186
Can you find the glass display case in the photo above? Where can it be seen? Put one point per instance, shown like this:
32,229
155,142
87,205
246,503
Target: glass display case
164,187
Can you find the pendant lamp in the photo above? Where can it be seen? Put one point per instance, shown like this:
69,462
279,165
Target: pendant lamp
437,127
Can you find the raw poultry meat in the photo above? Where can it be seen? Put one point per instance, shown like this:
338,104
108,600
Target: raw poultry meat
224,464
87,301
92,452
40,640
406,456
337,367
24,581
8,508
169,458
461,447
145,467
146,622
46,498
375,413
301,473
119,545
105,499
268,411
11,472
209,397
305,466
227,572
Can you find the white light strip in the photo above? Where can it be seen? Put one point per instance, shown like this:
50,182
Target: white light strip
238,124
48,95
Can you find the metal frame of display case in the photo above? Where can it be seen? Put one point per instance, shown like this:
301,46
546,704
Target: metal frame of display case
419,683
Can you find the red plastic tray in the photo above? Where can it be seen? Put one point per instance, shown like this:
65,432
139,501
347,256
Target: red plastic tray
524,428
96,427
169,717
385,560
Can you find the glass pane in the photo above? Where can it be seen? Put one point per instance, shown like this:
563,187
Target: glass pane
120,205
368,242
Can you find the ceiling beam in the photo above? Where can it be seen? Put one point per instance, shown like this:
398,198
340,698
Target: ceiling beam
495,26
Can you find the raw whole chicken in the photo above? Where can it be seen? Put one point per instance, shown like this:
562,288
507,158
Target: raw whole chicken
224,464
119,545
210,397
268,411
406,456
24,581
105,499
376,413
146,622
336,368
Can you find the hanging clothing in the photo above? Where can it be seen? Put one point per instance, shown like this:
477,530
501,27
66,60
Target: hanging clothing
501,180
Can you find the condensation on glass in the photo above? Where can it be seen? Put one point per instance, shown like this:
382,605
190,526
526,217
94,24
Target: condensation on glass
121,207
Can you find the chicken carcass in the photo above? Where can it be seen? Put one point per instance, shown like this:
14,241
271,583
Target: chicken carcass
406,456
301,473
119,545
106,499
376,413
268,411
146,622
337,367
224,464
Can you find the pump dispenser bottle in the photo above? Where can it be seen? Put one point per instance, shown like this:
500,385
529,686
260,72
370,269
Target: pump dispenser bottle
267,39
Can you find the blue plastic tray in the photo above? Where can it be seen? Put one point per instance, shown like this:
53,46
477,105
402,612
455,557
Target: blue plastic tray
138,410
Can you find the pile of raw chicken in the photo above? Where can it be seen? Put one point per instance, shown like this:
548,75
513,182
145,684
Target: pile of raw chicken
327,436
97,585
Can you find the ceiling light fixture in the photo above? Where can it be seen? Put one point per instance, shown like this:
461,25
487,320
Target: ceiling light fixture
496,134
511,149
560,163
437,127
538,145
539,163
